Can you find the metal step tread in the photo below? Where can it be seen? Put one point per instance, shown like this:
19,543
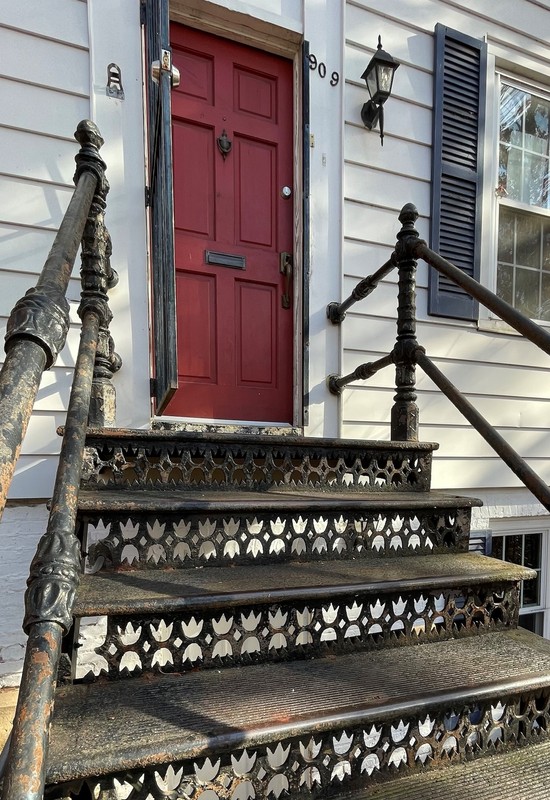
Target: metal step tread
520,774
148,436
131,500
155,720
170,590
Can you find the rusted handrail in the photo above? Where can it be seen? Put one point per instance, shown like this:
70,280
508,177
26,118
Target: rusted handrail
54,578
56,568
336,312
37,327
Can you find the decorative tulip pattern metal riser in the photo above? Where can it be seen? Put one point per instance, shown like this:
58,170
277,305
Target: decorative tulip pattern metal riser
207,466
256,634
254,538
323,763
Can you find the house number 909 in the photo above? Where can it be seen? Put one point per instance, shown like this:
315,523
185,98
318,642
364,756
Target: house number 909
321,68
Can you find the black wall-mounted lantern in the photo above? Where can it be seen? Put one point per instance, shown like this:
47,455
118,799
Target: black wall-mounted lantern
379,79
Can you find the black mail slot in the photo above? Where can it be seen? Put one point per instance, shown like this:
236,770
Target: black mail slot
225,259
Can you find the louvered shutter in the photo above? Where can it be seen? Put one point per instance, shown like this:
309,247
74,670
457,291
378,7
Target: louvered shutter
457,161
481,542
160,200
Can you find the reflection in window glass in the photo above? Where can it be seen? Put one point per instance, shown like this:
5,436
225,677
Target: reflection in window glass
524,178
524,147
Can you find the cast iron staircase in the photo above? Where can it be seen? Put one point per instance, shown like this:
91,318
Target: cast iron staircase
262,616
288,616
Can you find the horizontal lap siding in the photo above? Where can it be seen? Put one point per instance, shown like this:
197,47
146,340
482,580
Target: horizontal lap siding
504,377
45,89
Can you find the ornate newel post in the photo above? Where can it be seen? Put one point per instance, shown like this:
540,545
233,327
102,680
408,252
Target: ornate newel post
404,415
97,277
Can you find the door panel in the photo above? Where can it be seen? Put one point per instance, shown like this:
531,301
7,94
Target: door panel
194,147
235,338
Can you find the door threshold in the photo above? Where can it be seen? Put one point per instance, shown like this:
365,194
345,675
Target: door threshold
225,426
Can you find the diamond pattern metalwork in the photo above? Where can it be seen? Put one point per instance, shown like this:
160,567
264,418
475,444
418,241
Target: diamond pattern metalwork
254,466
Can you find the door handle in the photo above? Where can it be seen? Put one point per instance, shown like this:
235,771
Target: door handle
285,268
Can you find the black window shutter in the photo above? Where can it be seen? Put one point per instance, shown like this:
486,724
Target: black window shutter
160,200
457,162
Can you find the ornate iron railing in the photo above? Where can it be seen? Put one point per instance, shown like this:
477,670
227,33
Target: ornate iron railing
407,352
37,330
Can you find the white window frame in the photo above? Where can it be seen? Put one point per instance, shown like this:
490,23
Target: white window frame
495,76
522,526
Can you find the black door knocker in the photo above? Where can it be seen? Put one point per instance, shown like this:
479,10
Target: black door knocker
224,144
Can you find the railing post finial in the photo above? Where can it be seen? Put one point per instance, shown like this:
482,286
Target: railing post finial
88,159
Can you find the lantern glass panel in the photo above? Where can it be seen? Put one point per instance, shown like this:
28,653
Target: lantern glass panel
385,77
372,82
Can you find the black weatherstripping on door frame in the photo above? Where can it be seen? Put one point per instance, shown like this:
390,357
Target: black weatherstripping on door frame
457,164
155,17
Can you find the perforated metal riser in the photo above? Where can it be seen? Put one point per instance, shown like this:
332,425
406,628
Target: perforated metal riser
178,540
322,764
254,466
254,634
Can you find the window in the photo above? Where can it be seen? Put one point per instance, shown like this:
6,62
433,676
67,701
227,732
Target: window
525,549
523,250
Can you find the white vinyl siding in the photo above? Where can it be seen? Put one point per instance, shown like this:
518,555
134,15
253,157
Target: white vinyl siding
506,378
45,88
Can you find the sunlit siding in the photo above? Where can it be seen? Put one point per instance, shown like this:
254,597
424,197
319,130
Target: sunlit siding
507,379
45,90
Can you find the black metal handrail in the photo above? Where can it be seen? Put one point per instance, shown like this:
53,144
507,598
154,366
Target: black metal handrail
56,568
407,353
336,312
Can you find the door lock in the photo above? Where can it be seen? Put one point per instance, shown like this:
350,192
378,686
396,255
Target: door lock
285,268
165,65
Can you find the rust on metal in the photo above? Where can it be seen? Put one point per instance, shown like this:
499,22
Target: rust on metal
38,326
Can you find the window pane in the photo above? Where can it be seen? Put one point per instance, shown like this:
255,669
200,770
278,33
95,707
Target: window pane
531,592
497,548
545,297
511,114
505,282
532,550
535,180
506,225
532,622
526,295
509,172
536,126
528,240
546,246
514,546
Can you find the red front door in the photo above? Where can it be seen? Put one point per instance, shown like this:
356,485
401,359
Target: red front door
232,141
